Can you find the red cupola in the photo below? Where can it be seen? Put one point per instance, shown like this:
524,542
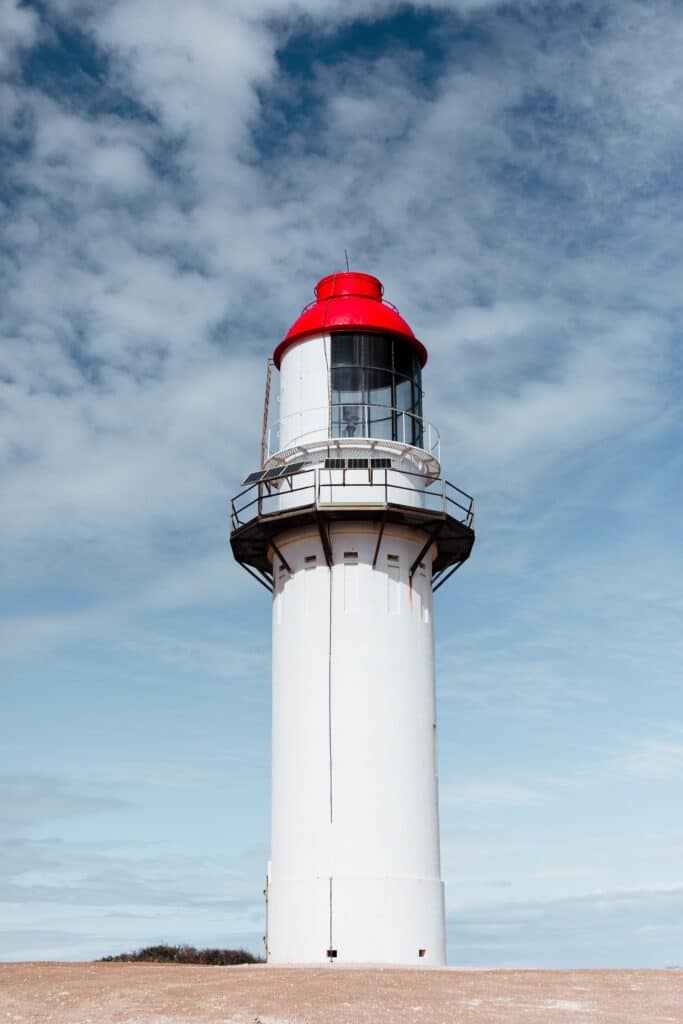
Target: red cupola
349,301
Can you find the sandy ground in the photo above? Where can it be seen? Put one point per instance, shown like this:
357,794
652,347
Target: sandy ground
161,994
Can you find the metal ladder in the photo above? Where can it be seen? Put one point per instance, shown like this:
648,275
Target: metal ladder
266,408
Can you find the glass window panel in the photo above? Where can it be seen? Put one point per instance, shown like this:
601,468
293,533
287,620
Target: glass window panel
371,375
350,420
347,383
405,359
404,394
417,400
344,350
381,421
418,380
378,351
378,387
417,422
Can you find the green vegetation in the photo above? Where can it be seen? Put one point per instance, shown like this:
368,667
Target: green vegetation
184,955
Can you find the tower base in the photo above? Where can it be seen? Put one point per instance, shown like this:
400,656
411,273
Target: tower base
357,920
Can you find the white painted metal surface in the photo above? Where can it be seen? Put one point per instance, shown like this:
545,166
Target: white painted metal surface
355,864
355,836
304,406
304,391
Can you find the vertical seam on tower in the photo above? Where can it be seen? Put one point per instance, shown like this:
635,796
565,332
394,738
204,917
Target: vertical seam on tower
329,649
331,945
329,693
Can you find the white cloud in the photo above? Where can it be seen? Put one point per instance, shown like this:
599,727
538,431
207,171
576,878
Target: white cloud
140,242
651,758
19,31
619,929
33,799
167,223
481,794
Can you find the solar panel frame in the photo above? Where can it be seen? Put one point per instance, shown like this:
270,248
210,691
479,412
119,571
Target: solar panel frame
253,478
276,473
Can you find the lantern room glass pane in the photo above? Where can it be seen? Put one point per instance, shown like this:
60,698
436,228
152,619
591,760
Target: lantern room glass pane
378,352
376,388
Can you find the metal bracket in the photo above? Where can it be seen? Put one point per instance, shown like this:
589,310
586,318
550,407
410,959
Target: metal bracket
446,578
423,551
281,557
379,539
269,587
324,539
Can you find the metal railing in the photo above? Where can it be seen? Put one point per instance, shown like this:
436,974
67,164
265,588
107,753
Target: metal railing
355,420
322,488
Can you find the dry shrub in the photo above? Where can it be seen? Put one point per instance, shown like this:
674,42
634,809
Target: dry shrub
163,954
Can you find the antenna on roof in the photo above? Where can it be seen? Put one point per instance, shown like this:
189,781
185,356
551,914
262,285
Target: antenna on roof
346,257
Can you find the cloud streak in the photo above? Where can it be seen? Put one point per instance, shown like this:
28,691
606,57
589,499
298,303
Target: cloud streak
177,180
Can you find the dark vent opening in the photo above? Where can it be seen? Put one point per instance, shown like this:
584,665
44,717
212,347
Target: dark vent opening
421,952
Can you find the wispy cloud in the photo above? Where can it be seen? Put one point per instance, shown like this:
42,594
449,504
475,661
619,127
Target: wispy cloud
651,758
27,800
482,794
178,178
19,31
573,933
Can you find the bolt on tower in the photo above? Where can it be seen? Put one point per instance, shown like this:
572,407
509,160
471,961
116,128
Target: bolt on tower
352,527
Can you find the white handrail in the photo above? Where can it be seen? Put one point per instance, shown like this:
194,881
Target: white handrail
261,498
326,429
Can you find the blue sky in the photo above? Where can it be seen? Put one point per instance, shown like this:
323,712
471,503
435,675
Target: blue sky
175,179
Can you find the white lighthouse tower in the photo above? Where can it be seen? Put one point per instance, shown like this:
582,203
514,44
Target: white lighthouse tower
352,527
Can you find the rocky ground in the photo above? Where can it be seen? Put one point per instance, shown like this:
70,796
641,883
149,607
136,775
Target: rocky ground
78,993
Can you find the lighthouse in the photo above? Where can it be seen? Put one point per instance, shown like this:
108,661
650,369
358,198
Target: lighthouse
351,526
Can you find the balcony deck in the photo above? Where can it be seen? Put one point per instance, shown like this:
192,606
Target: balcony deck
320,497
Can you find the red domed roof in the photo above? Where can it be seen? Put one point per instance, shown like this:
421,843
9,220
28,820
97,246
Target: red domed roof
349,301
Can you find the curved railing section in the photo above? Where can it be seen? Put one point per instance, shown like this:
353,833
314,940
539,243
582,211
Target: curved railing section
319,488
361,420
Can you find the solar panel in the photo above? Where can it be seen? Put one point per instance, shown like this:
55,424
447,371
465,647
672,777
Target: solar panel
335,463
253,477
380,463
273,474
358,464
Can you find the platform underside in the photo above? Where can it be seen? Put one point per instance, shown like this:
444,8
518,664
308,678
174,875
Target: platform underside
252,541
